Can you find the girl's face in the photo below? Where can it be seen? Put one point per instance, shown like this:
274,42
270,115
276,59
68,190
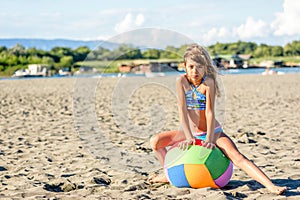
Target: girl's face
194,70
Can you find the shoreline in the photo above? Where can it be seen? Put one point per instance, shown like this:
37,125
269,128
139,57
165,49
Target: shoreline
250,70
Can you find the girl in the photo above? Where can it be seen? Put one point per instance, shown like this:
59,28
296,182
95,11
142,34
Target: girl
196,92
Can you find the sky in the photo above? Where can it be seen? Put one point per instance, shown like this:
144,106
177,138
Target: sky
273,22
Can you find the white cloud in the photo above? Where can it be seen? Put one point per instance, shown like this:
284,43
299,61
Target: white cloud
224,32
139,20
129,22
210,35
125,24
287,22
248,30
252,29
216,34
102,37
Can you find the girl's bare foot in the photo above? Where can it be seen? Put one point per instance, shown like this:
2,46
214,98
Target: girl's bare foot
277,189
161,178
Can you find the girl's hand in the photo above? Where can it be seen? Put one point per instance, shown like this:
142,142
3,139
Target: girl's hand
209,145
184,145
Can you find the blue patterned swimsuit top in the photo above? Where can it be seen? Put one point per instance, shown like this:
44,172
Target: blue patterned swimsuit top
195,100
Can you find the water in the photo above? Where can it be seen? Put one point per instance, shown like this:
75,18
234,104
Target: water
285,70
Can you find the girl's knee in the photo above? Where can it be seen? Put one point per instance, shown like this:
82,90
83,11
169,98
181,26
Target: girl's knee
238,158
153,142
162,140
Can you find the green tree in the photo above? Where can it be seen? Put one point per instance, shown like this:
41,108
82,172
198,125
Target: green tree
262,50
233,49
17,50
22,60
34,60
66,62
32,51
296,48
292,49
12,60
81,53
47,60
277,51
171,52
58,52
3,49
182,50
288,50
133,53
91,56
151,54
126,52
245,47
3,58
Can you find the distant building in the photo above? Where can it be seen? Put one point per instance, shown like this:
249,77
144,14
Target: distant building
165,66
232,61
33,70
125,68
150,66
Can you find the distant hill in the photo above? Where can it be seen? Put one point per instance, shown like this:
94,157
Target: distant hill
48,44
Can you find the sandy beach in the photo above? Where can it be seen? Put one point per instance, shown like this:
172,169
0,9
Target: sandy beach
88,138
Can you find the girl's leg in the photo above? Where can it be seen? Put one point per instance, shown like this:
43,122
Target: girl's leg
231,151
159,143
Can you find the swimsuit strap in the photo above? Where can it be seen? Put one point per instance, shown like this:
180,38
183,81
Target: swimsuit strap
203,79
194,89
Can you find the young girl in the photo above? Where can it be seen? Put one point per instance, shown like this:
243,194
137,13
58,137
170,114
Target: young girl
196,92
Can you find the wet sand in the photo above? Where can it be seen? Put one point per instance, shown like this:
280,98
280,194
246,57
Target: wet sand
82,138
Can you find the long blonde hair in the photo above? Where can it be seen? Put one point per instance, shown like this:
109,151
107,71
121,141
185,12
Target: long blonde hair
200,55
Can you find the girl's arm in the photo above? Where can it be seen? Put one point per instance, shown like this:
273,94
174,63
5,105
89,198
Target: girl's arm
183,109
210,113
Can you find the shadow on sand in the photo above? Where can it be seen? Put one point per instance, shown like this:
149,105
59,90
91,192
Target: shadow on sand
291,185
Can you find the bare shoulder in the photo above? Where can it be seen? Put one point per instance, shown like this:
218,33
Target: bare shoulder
182,82
181,79
209,82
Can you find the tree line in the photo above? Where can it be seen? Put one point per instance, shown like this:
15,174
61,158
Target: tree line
18,57
257,51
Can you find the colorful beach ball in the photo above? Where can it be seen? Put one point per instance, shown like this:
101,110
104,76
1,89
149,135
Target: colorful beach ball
197,167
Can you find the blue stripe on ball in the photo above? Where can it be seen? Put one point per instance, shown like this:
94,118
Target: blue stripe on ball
177,176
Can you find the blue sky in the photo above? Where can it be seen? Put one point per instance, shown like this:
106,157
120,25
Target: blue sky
272,22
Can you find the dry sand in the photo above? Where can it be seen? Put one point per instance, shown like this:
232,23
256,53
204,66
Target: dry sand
89,138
